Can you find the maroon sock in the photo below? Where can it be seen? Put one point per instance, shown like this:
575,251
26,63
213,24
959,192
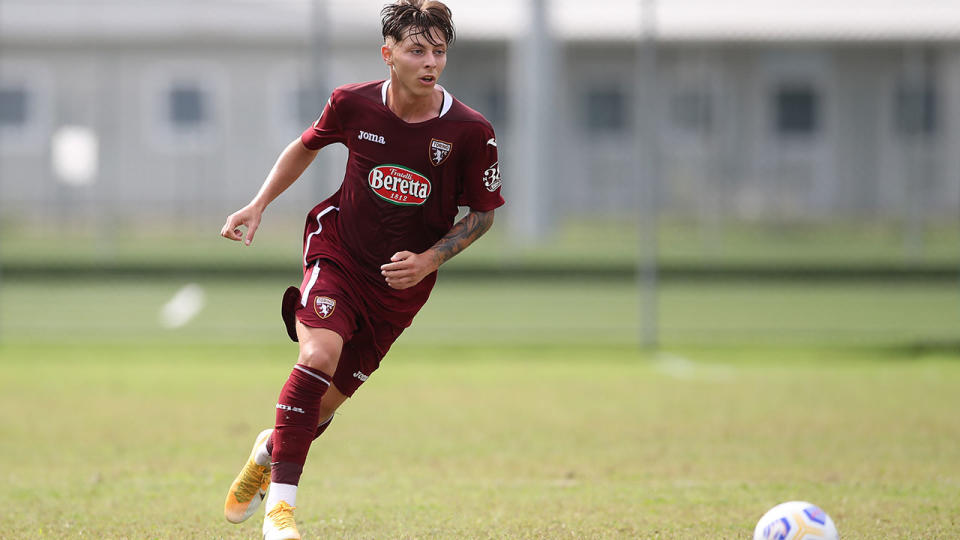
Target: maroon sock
298,412
316,435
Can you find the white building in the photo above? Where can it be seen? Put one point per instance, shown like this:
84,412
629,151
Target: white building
768,109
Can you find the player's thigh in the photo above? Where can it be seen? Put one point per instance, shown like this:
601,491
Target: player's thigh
320,348
362,354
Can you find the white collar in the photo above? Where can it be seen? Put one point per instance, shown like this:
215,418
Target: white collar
447,98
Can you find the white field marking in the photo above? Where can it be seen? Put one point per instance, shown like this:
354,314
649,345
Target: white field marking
186,304
675,366
683,368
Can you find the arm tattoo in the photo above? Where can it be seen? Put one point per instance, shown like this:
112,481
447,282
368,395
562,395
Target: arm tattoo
468,229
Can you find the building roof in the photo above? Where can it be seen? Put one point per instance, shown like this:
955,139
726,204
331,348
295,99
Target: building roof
672,20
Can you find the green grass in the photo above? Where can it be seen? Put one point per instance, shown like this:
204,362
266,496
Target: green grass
521,312
509,410
578,243
124,441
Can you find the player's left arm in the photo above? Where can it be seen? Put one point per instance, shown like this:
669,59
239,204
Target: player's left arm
406,268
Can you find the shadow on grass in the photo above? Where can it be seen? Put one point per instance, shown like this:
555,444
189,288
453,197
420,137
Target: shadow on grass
917,350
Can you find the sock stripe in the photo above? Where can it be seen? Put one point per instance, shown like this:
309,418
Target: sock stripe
310,373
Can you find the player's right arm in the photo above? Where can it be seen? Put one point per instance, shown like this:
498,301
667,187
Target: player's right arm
294,159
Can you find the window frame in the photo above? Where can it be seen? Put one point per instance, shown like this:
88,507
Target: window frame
625,118
287,85
815,120
930,121
36,80
162,133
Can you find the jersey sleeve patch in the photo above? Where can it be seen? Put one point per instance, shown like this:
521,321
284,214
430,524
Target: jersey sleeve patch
491,177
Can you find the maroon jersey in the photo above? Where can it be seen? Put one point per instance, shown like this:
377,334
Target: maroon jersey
401,189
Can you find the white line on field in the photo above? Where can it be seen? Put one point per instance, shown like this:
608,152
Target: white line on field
186,304
680,367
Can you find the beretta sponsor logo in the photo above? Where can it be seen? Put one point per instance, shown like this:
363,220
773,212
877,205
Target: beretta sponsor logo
399,185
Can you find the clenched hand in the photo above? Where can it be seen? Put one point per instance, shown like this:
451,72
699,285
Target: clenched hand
406,268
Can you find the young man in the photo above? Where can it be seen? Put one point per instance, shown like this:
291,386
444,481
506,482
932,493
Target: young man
371,251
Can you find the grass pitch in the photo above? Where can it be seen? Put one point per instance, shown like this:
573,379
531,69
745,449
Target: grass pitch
508,411
534,313
115,441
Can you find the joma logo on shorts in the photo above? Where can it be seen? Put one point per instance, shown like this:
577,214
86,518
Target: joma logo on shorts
360,375
283,407
372,137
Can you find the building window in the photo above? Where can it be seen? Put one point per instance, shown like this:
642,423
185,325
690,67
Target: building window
14,107
916,108
185,106
606,110
797,110
294,100
692,111
188,107
25,108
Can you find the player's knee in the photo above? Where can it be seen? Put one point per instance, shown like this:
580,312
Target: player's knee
320,356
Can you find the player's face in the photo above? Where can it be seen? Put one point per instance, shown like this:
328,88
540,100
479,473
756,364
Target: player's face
416,62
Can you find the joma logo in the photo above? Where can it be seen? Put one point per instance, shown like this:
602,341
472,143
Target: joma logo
283,407
372,137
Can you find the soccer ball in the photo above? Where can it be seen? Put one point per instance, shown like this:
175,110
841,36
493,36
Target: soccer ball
795,520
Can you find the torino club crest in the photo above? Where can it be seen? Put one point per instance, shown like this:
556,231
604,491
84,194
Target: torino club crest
324,306
439,151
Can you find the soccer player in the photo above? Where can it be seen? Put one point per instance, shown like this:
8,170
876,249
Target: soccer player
371,251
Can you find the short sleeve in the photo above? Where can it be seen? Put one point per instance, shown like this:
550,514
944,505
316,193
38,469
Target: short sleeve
326,130
480,189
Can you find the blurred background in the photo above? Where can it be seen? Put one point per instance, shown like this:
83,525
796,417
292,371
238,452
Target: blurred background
676,171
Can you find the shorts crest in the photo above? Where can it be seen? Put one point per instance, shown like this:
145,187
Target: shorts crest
324,306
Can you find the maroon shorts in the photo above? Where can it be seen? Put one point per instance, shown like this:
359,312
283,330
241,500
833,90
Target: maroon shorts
329,300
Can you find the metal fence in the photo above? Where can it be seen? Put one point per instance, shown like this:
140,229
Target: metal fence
111,111
692,136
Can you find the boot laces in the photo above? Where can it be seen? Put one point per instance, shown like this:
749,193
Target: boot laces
282,515
250,483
